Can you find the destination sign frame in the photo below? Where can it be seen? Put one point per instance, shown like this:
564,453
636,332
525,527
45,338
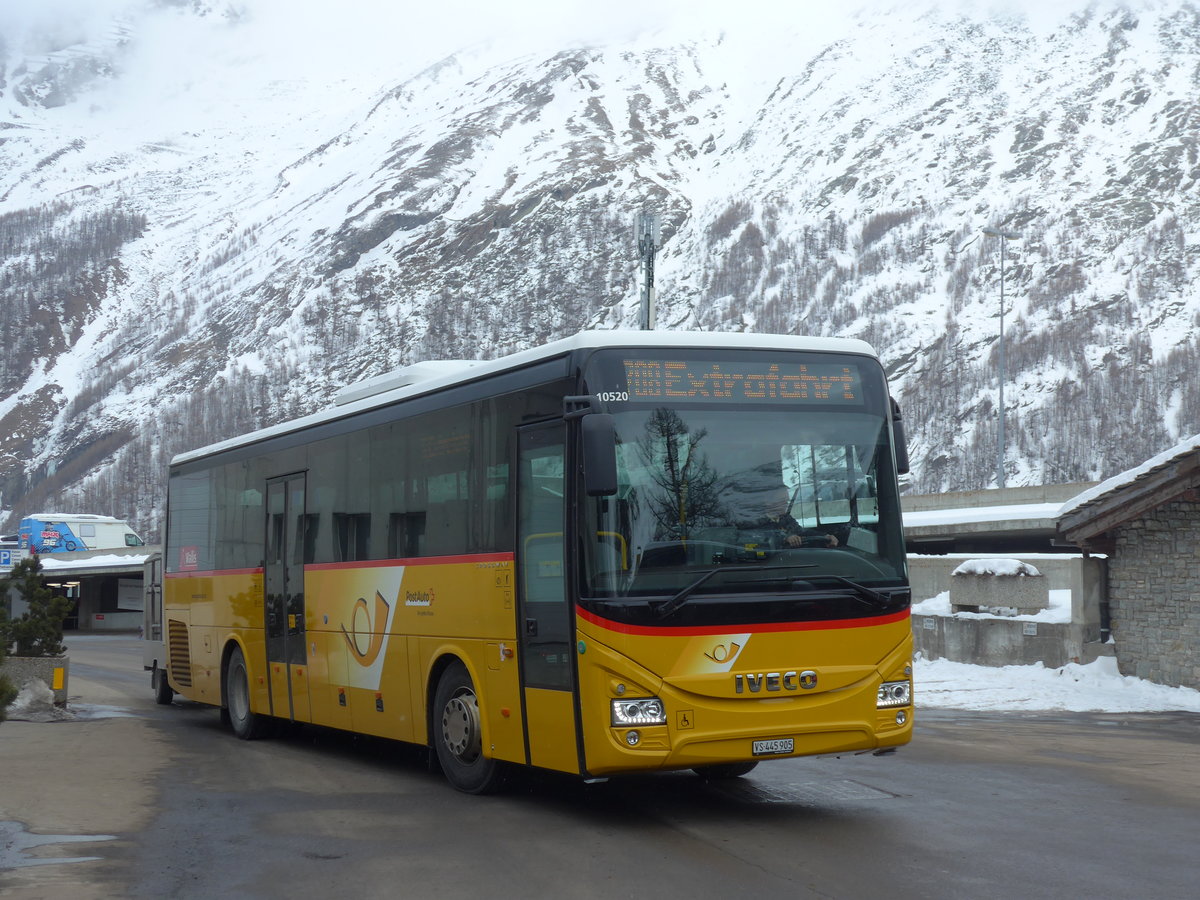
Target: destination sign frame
673,380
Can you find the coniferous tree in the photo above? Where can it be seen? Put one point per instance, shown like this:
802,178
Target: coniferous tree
38,631
8,691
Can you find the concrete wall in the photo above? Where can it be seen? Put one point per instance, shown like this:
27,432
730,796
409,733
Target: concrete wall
53,671
112,621
1027,593
1154,591
1002,641
998,642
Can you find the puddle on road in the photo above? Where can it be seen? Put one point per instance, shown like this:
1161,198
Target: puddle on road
75,712
101,711
15,840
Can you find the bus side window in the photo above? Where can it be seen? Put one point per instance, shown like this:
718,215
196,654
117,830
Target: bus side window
445,528
351,536
406,534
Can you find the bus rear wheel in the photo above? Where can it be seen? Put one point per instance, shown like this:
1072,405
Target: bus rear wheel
246,724
458,734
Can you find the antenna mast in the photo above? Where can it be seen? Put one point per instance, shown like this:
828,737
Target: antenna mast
649,240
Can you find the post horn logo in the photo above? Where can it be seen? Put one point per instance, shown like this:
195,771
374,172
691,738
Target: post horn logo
365,636
724,654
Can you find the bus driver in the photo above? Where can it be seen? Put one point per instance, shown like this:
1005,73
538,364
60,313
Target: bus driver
776,526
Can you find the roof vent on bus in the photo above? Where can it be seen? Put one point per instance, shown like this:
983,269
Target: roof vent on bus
403,377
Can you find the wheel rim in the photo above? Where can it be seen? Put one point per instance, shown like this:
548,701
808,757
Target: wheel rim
460,726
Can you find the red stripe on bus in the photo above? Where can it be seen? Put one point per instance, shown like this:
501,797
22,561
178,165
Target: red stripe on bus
364,564
414,561
213,573
756,627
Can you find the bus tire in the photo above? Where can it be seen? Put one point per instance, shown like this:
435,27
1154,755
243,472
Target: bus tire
246,725
163,694
457,734
726,770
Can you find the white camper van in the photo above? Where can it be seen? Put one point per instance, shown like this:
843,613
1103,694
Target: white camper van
65,532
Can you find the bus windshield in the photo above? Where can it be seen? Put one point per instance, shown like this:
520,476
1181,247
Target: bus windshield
743,499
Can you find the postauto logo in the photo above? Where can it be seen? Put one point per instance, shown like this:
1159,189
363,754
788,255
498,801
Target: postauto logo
365,636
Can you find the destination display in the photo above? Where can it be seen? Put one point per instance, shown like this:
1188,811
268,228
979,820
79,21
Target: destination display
681,381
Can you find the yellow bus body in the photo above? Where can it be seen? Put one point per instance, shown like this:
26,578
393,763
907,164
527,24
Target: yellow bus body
375,633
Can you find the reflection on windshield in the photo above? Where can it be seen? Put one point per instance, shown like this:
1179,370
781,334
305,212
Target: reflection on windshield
712,487
684,491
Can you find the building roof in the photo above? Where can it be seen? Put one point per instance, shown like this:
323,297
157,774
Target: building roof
1167,476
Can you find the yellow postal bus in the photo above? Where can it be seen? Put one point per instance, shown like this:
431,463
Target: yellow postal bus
623,551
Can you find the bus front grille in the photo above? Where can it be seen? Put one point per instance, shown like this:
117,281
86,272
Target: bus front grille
180,656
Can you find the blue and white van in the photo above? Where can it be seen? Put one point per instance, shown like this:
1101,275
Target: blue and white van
67,532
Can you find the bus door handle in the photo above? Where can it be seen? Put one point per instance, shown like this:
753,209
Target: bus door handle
531,628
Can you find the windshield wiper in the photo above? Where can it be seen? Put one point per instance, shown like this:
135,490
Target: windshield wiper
870,596
682,596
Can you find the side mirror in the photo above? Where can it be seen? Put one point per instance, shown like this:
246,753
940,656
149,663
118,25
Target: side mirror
900,439
599,435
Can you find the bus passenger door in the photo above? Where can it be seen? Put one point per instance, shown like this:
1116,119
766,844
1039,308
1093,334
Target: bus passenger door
546,623
283,585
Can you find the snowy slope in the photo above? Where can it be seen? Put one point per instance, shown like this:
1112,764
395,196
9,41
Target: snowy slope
213,217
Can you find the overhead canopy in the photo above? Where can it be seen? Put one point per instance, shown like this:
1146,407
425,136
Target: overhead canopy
96,562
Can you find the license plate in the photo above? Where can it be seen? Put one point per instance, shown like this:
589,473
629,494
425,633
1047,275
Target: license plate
773,748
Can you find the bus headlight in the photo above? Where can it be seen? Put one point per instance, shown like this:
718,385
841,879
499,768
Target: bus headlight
894,693
642,711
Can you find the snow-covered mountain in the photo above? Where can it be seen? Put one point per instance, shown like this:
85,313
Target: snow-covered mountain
201,232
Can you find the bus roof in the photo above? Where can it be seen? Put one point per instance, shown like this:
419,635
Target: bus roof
366,395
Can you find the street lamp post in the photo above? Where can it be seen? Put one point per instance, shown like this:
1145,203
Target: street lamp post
1005,237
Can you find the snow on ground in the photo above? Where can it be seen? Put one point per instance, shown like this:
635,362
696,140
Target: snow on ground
1098,686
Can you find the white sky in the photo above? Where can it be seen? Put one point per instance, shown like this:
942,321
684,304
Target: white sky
180,73
357,35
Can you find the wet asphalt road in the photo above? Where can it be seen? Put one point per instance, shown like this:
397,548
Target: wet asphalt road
979,806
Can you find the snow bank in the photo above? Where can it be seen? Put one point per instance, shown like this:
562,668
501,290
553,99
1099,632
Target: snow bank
35,703
1098,686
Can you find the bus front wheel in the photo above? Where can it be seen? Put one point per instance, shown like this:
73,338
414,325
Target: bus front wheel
246,724
458,735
